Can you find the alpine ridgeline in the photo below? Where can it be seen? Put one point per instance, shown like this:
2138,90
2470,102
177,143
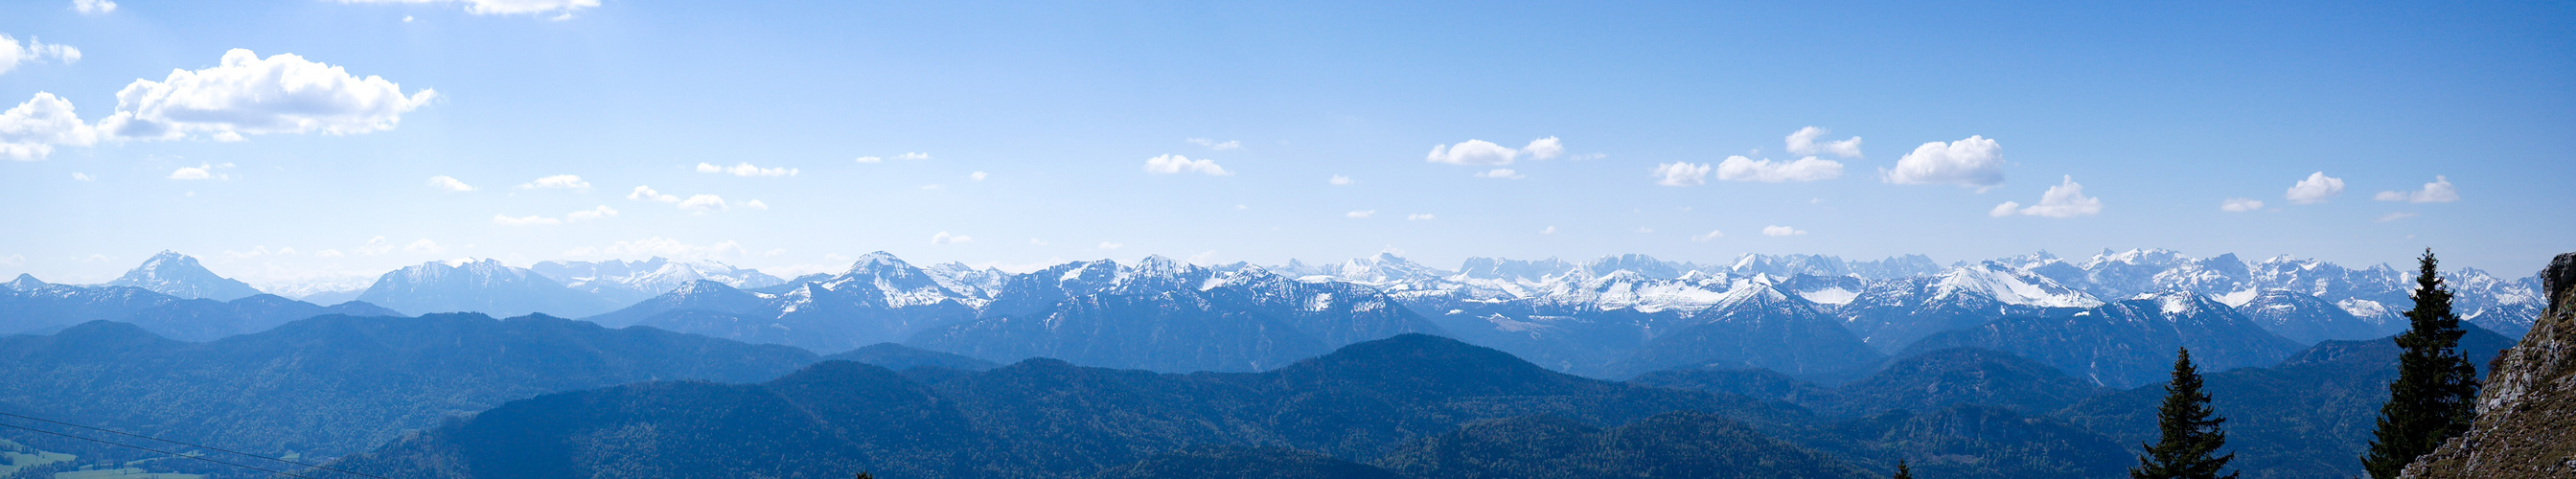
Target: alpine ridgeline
2526,425
484,286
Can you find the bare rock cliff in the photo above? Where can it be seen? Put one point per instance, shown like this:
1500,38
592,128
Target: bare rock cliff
2526,423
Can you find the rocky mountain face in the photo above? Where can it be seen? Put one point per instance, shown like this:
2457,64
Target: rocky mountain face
2526,423
2127,343
879,299
179,275
1165,315
626,282
484,286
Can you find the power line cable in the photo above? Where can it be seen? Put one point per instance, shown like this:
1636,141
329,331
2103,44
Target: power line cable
173,454
199,446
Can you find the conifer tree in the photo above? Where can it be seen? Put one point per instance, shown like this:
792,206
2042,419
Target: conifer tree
2190,431
2434,398
1903,472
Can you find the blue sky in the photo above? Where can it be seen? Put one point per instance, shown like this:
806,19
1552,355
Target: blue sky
1041,123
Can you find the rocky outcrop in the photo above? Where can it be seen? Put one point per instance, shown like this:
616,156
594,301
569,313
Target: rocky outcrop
2527,413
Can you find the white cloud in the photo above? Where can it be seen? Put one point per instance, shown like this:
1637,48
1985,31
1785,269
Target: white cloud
703,203
603,211
81,176
1590,156
1682,174
1037,242
93,7
558,182
976,176
531,220
1776,230
646,193
564,8
1501,173
406,19
1544,148
1642,229
1203,258
1473,152
944,238
11,53
449,184
1712,234
200,172
1109,245
31,130
1738,168
755,204
1419,217
870,159
2066,200
913,156
1169,164
375,246
2439,191
1803,142
248,95
424,246
2316,189
1549,231
1339,180
2240,205
2394,217
1360,214
746,169
1217,145
1975,161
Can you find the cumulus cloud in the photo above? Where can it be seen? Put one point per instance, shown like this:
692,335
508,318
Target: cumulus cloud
746,169
976,176
12,53
1037,242
870,159
1682,174
913,156
1473,152
1360,214
1218,145
1501,174
755,204
531,220
2394,217
1776,230
424,246
944,238
1738,168
200,172
646,193
1339,180
1169,164
1803,142
2240,204
558,182
2439,191
93,7
603,211
703,203
1544,148
1975,161
2316,189
448,184
1419,217
31,130
248,95
1549,231
1109,245
81,176
1712,234
2066,200
562,8
375,246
